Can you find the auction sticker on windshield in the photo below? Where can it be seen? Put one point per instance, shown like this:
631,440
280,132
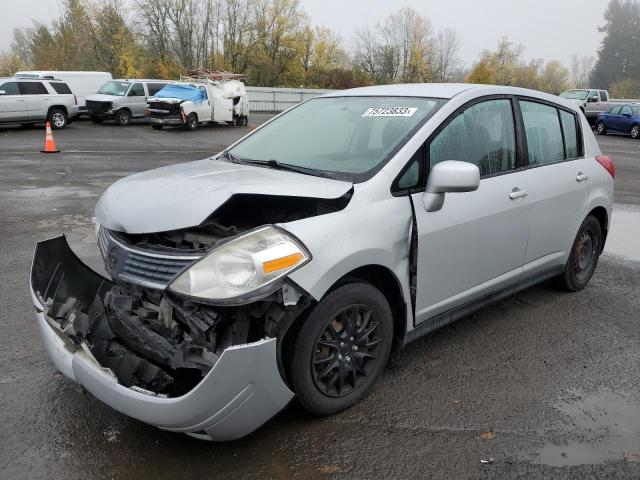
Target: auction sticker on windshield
390,112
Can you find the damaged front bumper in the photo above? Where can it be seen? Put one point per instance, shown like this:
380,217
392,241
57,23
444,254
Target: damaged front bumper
241,392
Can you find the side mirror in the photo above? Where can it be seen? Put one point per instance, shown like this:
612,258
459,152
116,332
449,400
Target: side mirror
449,176
3,92
628,115
593,99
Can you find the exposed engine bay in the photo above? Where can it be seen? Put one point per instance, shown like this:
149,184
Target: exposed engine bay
153,340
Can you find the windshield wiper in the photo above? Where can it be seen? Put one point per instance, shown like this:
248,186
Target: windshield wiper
272,163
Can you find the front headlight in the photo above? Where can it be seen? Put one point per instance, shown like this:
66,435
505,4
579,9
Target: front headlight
246,264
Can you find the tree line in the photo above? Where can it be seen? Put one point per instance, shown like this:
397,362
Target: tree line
274,43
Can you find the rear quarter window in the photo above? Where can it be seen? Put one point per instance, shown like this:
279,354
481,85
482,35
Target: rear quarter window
61,88
570,132
153,88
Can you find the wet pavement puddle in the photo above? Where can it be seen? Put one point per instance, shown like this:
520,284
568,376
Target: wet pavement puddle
624,232
609,424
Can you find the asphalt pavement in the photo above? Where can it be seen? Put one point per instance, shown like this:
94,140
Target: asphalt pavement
544,384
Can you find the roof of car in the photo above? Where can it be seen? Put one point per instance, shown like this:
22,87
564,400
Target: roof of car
434,90
28,79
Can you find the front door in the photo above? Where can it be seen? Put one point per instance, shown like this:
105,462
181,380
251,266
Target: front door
12,107
476,243
137,99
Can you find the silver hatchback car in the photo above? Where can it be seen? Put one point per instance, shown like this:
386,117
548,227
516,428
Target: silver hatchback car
294,261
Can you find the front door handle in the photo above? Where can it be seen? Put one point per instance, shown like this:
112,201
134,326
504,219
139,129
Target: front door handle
581,177
518,193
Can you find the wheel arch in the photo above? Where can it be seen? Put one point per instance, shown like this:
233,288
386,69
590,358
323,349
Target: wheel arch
60,107
387,283
602,216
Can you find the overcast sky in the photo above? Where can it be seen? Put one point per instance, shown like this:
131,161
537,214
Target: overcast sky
549,29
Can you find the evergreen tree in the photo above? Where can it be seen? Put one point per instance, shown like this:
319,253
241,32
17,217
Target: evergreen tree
619,54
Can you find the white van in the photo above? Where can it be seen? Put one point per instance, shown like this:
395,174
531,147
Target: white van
80,83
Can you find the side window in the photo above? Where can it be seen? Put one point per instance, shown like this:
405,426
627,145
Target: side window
542,129
594,94
61,88
615,111
413,176
483,134
153,88
626,111
204,92
137,90
570,134
10,88
603,96
32,88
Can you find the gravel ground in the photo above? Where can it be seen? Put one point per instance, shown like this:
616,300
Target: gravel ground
546,384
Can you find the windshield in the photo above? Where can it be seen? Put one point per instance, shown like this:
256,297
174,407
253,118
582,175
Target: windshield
347,138
115,88
575,94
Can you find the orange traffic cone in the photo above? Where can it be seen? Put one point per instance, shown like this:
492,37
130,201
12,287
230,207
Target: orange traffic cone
49,144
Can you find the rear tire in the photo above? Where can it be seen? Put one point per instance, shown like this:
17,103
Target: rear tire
57,118
341,348
601,129
635,131
123,117
192,122
583,258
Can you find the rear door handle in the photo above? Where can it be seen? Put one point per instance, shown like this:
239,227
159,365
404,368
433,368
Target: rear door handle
581,177
518,193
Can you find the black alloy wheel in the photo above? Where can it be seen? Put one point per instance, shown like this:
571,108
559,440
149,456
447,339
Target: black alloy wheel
340,348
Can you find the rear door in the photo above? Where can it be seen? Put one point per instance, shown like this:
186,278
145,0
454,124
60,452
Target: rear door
558,175
476,243
12,106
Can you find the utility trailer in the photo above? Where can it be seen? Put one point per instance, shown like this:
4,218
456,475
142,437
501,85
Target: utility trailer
195,101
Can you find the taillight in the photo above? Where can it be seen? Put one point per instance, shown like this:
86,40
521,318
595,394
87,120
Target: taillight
608,165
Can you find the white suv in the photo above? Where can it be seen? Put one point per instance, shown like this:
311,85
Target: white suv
27,101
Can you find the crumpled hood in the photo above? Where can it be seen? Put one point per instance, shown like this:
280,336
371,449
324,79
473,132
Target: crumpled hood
101,97
184,195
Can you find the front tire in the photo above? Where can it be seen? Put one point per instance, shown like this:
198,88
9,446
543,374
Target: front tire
123,117
635,131
583,258
341,348
57,118
601,129
192,122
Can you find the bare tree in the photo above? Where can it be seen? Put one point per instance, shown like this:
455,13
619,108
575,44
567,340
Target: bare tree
366,47
445,61
581,68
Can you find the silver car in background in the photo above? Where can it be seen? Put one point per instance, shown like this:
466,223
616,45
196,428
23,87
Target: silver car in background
122,100
294,261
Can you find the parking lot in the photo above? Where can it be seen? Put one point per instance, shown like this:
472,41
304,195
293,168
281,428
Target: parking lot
544,383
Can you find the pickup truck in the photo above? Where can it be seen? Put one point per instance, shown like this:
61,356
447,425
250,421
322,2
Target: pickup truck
591,101
190,104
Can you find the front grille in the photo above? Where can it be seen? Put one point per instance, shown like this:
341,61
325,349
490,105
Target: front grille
98,107
152,269
141,267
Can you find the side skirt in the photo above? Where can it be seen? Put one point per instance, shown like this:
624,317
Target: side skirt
462,311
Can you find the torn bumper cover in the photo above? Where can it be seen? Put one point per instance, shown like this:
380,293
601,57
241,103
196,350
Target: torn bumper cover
241,392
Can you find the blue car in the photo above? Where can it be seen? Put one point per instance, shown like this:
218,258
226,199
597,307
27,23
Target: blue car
620,119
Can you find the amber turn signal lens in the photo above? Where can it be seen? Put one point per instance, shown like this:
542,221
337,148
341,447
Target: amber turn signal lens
281,263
